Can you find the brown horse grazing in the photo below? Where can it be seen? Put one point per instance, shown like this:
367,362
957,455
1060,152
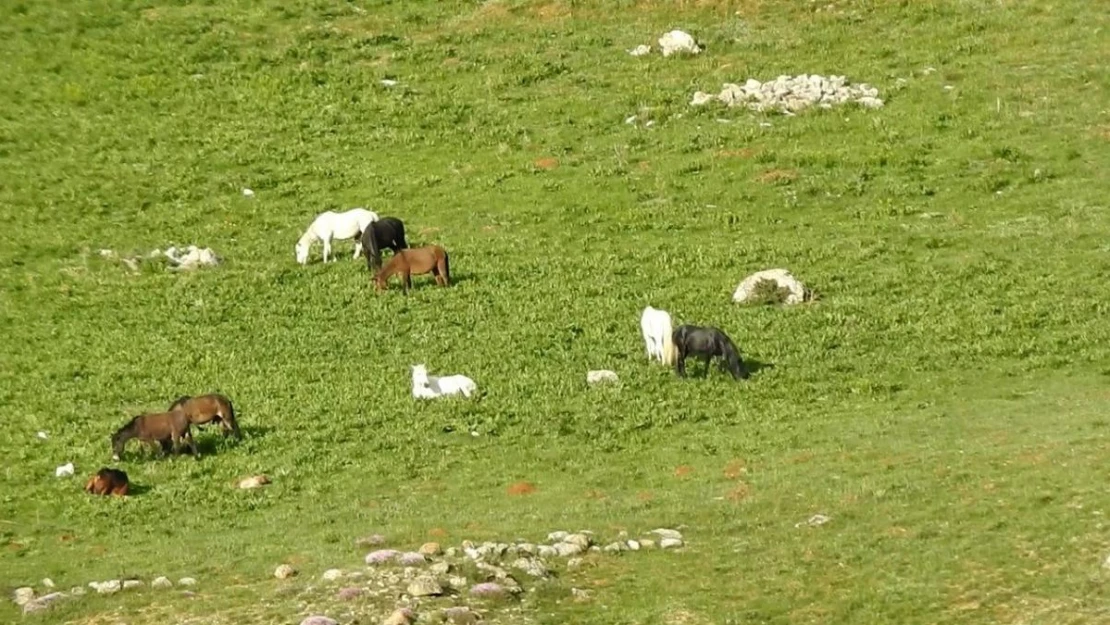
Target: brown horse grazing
108,482
430,259
154,428
205,409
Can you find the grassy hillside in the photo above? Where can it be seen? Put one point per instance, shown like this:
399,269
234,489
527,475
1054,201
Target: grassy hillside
943,402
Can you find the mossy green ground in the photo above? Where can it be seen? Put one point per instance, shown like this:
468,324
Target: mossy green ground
944,401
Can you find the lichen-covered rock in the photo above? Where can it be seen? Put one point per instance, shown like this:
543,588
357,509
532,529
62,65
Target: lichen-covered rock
430,549
161,583
424,586
412,558
186,581
284,571
24,595
782,278
381,556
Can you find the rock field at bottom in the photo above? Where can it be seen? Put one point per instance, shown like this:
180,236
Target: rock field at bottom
410,586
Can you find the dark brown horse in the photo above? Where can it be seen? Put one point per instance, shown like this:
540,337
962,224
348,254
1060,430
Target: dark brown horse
153,429
431,259
108,482
211,408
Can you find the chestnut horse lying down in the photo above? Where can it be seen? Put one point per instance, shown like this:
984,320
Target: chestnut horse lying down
153,429
205,409
108,482
430,259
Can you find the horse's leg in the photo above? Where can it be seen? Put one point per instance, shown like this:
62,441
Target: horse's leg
406,281
192,443
705,360
680,361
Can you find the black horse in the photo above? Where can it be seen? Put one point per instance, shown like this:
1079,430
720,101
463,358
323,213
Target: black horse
387,232
707,343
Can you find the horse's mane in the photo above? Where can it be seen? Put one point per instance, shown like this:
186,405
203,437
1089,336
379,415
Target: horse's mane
130,424
179,401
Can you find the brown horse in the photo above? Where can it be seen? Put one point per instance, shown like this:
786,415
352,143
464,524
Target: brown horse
153,429
205,409
108,482
431,259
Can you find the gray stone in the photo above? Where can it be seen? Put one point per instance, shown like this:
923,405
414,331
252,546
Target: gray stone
460,615
580,539
430,549
568,549
161,582
535,568
109,587
128,584
555,537
547,551
440,568
647,543
666,533
42,603
186,581
77,591
373,540
457,582
613,548
424,586
331,575
24,595
527,548
633,545
401,616
47,582
284,571
670,543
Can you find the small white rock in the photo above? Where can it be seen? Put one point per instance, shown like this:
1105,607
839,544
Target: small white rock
633,545
670,543
77,591
65,470
332,574
41,435
388,83
186,581
248,193
557,536
108,587
640,50
47,582
132,583
161,582
678,42
24,595
667,533
284,572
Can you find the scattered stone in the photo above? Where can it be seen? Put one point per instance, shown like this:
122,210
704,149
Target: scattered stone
574,563
161,583
254,482
568,549
430,549
601,376
440,568
248,193
647,543
579,594
460,615
47,582
640,50
678,42
24,595
581,539
373,540
401,616
547,551
613,548
192,257
451,552
488,589
633,545
381,556
495,572
814,521
791,94
527,548
65,470
424,586
128,584
666,533
107,588
411,558
77,591
535,568
458,582
386,82
319,620
186,581
555,537
284,572
349,593
42,603
670,543
595,549
331,575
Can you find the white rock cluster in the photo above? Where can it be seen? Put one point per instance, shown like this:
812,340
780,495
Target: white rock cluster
793,93
671,43
191,258
782,278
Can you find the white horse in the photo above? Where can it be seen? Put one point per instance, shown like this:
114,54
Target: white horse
655,324
430,387
331,225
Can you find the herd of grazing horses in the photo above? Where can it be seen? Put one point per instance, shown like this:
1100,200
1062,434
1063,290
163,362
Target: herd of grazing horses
170,430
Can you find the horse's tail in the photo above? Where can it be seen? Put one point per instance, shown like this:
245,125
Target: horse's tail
668,341
446,267
399,240
371,249
232,422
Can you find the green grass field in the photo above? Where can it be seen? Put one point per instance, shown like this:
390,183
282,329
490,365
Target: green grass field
944,402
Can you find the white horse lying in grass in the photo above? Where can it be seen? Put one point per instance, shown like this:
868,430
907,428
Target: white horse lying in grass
331,225
430,387
655,324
